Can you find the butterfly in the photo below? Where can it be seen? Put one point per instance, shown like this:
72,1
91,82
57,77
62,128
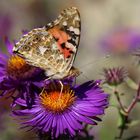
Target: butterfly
53,47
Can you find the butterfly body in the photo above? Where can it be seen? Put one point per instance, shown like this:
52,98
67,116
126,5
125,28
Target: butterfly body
53,47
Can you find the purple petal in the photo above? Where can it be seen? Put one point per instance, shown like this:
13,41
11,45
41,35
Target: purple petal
36,119
1,78
59,128
83,118
92,103
49,120
21,102
27,111
89,111
68,125
24,32
3,57
9,45
73,121
54,122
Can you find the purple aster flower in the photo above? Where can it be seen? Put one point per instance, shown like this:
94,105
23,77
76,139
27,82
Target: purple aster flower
63,113
121,40
114,76
16,76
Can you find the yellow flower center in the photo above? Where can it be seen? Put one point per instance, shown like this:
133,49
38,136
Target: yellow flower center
18,68
57,101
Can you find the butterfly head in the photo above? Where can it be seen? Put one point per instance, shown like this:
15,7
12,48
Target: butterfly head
22,50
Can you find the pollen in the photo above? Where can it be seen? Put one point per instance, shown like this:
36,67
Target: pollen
17,67
56,101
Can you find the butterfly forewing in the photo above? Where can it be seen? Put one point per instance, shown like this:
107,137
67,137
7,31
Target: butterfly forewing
66,31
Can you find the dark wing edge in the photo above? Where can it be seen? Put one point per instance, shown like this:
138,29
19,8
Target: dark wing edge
69,16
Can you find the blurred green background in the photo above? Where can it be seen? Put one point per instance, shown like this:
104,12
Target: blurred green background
99,18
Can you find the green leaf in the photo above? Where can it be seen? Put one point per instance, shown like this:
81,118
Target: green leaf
132,138
133,123
131,83
122,120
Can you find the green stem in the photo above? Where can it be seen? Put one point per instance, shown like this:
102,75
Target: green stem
134,101
119,100
122,128
126,111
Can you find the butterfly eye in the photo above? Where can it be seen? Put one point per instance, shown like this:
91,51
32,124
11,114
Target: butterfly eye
26,48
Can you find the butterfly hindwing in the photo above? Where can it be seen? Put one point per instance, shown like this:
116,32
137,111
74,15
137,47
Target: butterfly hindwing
53,47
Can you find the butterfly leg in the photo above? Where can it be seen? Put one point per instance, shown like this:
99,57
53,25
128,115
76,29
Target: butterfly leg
42,91
62,86
45,83
48,79
74,83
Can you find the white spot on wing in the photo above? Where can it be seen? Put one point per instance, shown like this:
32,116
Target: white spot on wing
77,18
75,30
65,23
54,46
71,28
42,49
43,38
69,45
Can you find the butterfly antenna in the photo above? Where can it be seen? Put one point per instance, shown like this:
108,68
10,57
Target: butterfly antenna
82,67
93,62
87,78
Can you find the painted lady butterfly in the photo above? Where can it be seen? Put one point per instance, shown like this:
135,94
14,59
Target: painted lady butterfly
53,47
